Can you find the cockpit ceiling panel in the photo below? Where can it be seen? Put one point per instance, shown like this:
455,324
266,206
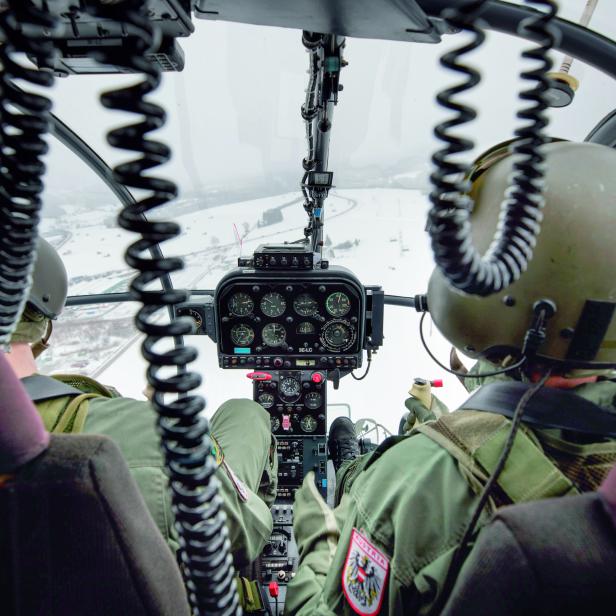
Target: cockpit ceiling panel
401,20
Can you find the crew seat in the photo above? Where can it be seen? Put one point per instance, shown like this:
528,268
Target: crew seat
556,556
76,537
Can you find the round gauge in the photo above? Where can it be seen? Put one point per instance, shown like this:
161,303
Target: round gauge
338,304
266,400
274,334
196,318
308,423
275,423
305,305
242,335
241,304
273,304
313,400
290,388
305,328
338,335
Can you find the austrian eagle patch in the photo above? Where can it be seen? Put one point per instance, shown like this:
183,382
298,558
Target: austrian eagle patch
364,576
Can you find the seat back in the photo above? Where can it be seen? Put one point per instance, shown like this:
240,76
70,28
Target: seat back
22,434
75,534
545,557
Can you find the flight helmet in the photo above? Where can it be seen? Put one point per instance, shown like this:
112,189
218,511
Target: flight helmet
573,264
49,281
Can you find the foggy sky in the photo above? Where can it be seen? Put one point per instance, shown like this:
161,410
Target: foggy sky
234,111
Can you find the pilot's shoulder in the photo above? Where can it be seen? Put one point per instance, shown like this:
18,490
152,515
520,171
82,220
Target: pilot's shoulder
131,423
414,502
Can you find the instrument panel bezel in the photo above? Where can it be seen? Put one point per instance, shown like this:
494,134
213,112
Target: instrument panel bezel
320,284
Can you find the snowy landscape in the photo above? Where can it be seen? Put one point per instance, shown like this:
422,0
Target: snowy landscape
376,233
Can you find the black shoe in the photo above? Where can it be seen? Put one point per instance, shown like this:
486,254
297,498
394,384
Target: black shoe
342,442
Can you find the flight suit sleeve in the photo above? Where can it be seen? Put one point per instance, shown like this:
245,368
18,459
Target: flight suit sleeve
131,424
405,514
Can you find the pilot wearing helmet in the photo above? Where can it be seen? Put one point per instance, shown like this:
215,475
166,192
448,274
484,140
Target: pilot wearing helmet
403,510
76,404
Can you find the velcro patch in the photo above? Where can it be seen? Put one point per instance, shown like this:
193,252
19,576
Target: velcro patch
364,575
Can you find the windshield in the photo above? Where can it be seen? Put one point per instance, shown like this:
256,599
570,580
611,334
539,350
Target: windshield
238,141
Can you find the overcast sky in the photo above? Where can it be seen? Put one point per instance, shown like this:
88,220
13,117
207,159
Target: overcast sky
234,116
234,110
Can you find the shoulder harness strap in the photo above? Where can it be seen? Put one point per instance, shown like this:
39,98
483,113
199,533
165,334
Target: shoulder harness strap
40,387
548,408
85,384
475,438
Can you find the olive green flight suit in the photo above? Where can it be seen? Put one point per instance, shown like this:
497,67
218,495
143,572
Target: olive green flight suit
410,503
247,475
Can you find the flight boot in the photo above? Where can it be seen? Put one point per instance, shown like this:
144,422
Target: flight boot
342,442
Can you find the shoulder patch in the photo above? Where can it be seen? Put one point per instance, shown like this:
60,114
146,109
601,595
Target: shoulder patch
364,575
239,485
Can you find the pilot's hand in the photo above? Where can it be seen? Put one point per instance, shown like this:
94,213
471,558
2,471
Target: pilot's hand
423,406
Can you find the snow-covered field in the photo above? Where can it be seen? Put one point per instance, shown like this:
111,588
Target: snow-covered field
377,233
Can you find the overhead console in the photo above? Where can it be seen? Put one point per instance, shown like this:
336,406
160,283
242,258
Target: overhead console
300,320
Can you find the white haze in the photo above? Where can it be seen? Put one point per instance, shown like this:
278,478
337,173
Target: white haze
238,138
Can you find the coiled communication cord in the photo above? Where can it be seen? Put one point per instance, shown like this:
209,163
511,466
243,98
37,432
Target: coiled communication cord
24,123
205,549
520,219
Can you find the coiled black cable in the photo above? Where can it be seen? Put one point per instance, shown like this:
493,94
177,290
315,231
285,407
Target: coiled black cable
205,549
520,219
23,125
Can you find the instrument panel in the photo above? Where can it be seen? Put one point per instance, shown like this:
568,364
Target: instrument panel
314,319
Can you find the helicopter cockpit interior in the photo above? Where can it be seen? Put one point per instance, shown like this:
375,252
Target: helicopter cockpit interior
297,199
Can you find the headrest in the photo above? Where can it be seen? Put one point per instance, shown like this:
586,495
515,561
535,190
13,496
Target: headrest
22,434
608,490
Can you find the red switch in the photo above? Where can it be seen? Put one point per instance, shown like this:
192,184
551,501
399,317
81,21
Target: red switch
286,422
317,377
259,376
273,589
437,383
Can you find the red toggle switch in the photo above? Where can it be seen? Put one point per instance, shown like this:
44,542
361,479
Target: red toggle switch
286,422
259,376
273,589
317,377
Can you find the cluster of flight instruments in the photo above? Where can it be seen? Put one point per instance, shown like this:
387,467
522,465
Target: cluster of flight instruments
292,323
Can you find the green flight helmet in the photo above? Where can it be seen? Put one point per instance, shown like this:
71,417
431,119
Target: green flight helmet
573,264
49,281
